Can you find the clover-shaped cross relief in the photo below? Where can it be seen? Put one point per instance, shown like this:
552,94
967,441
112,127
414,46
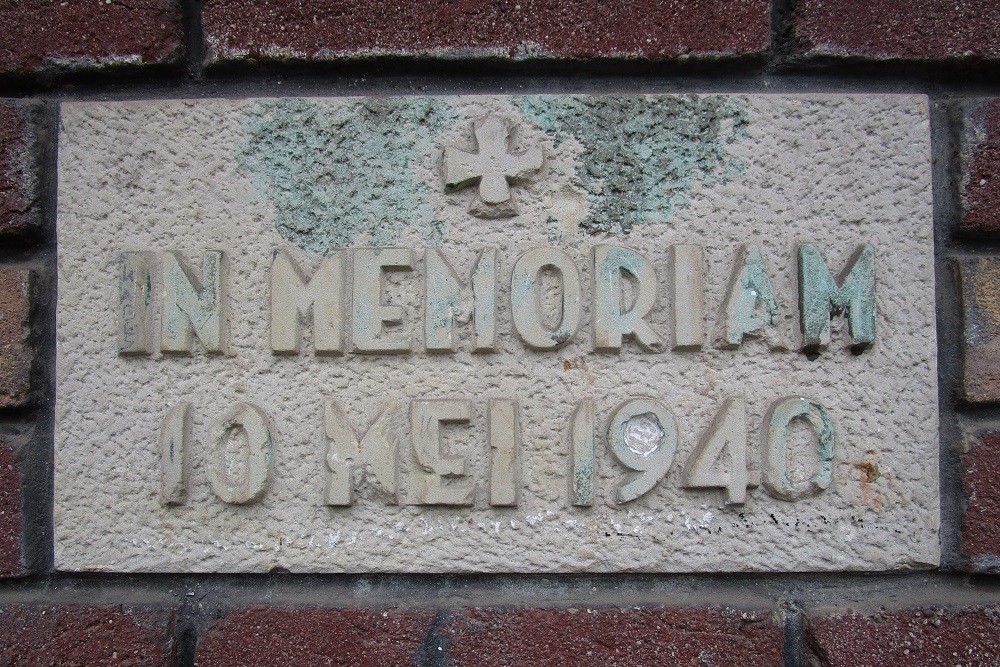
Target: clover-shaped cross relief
492,166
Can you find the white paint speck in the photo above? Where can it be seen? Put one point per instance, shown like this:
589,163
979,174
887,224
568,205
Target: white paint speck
642,434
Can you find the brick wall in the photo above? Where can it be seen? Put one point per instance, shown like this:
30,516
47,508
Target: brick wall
84,49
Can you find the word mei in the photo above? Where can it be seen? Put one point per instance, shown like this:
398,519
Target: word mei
346,294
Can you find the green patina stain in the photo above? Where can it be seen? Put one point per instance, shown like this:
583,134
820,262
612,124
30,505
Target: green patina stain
583,482
333,174
643,154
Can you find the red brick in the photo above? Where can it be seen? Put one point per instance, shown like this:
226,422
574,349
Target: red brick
899,29
78,34
981,169
11,553
80,635
15,352
981,519
969,637
331,29
980,279
19,183
633,637
268,636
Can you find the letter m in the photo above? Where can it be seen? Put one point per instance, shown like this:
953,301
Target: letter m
821,296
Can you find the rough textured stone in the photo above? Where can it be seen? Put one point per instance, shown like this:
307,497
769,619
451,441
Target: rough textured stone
15,352
980,279
11,550
19,178
267,636
980,184
899,29
54,36
637,637
316,30
37,636
968,637
314,176
981,519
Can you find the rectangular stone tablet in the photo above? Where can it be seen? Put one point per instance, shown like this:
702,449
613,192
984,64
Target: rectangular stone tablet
496,334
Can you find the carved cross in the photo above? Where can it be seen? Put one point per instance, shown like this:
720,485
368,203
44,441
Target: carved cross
494,167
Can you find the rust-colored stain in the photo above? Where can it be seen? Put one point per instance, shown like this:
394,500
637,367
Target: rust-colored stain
567,364
869,472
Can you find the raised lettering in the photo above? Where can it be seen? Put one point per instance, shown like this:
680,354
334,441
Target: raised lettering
241,455
642,435
820,296
134,292
525,296
375,452
175,433
687,296
582,454
371,315
750,304
612,319
776,479
432,468
443,301
188,306
504,465
709,467
294,296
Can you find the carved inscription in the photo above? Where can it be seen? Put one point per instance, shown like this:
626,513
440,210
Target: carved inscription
194,308
642,434
524,333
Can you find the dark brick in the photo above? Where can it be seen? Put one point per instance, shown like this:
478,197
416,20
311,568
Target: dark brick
899,29
11,553
82,34
80,635
269,636
981,519
633,637
981,169
969,637
325,29
19,178
15,352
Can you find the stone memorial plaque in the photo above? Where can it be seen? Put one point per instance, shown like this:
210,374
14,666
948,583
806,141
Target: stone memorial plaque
497,334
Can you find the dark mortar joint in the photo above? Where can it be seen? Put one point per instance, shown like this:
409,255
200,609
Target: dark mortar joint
194,36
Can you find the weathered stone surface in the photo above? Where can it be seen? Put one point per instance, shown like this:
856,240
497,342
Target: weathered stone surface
85,34
19,182
308,185
39,636
11,549
980,184
911,30
980,278
636,637
918,637
274,636
981,518
15,351
316,30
